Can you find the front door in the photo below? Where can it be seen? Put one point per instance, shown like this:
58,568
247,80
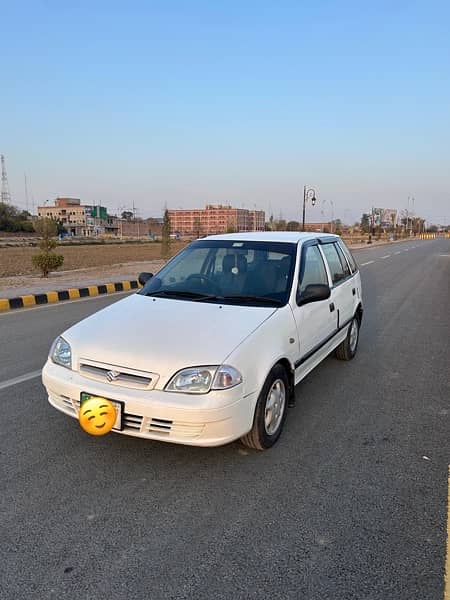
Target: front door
316,321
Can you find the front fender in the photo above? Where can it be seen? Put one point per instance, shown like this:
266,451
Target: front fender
275,340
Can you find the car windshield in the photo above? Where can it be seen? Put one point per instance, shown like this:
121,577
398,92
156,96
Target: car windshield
228,271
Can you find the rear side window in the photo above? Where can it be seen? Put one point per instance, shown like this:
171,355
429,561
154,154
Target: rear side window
349,256
344,263
338,273
313,270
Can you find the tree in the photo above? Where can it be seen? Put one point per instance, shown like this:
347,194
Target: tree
337,226
418,224
60,227
197,227
47,261
11,219
46,228
165,244
365,223
230,227
393,219
127,215
293,226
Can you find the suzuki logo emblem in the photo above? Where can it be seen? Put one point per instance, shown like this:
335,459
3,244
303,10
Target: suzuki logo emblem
112,375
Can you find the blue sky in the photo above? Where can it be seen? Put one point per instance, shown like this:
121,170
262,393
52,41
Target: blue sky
186,103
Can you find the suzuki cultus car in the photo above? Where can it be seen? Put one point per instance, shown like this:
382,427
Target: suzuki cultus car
211,348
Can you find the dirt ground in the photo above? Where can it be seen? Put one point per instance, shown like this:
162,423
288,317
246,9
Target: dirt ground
60,280
16,261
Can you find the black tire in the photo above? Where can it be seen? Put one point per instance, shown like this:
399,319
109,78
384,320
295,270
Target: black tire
260,437
347,349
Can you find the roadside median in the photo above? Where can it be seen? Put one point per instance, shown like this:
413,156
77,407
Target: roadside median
72,293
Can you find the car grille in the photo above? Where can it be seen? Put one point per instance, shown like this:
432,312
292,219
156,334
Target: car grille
151,427
121,376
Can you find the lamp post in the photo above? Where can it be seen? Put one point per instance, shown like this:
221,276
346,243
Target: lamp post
308,194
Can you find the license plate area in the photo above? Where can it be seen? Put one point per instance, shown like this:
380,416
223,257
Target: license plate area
118,405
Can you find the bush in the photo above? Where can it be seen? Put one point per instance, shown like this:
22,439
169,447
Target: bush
47,261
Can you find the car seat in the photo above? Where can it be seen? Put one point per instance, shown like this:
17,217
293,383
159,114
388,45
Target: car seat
234,274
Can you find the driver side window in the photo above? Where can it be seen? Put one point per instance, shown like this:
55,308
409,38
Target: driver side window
313,270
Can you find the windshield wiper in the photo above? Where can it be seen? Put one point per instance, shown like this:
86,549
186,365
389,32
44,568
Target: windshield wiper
181,294
198,297
249,298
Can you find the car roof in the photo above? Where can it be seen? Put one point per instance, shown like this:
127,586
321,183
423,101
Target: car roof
273,236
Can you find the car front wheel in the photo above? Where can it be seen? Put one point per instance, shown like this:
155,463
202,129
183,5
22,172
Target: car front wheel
270,412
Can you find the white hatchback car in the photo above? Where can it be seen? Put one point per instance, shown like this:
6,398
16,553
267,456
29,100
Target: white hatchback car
211,348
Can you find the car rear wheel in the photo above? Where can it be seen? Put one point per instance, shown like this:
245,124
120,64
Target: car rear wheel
270,412
347,349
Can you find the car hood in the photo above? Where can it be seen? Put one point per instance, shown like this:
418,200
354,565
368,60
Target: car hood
162,335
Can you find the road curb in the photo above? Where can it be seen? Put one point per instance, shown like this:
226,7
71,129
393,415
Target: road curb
68,294
377,244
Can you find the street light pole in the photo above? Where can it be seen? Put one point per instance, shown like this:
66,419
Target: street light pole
307,194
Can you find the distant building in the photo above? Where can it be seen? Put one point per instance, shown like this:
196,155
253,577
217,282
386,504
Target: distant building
322,227
80,219
140,228
215,219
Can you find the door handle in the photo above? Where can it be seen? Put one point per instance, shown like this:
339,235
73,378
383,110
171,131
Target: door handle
332,307
353,291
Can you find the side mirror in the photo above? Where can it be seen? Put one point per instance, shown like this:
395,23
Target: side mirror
144,277
314,292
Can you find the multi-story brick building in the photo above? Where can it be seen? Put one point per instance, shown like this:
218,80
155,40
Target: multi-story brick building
215,219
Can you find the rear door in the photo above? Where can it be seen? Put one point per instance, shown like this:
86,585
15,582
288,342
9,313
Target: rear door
343,291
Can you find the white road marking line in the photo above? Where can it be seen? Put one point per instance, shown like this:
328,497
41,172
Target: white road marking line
398,252
447,560
367,263
10,382
383,257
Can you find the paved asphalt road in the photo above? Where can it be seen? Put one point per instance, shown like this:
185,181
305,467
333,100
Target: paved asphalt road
350,504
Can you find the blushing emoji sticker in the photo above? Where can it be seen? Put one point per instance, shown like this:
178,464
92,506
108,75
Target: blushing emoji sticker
97,416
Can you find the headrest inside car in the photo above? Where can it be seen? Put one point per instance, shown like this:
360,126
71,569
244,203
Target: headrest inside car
234,264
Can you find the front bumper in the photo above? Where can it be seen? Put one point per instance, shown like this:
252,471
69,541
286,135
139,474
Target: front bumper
211,419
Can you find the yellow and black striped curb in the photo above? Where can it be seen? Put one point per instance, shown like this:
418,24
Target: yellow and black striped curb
69,294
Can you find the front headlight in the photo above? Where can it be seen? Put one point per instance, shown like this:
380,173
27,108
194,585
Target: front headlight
61,353
200,380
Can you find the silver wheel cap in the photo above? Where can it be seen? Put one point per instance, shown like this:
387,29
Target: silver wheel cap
353,338
274,409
